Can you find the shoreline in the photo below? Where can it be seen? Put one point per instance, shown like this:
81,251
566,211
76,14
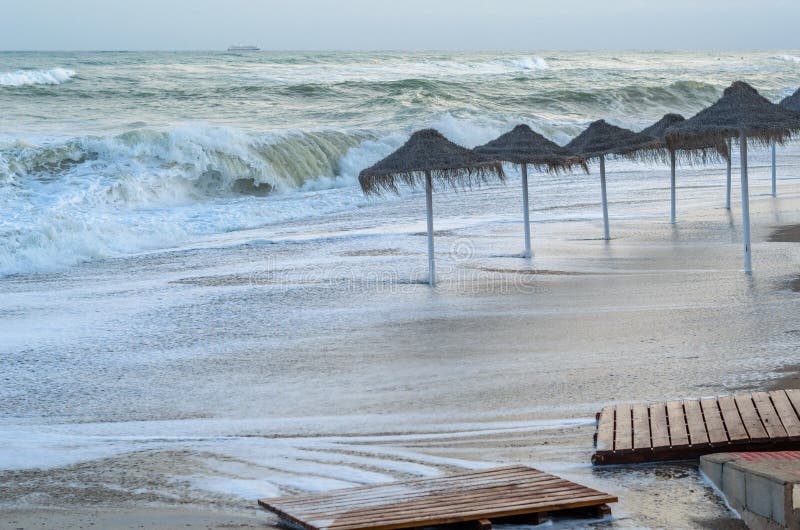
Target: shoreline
634,352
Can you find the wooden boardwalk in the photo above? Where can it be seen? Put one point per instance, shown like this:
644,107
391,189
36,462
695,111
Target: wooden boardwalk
513,494
678,430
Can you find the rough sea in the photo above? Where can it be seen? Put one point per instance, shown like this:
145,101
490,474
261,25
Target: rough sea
108,154
199,307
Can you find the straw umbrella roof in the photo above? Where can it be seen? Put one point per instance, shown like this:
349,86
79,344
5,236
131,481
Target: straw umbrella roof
602,138
658,131
740,109
428,151
522,145
792,102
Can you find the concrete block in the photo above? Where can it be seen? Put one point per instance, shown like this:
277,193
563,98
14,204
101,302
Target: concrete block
764,487
713,470
733,485
765,497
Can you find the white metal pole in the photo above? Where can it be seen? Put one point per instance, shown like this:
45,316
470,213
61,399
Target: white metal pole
672,186
745,204
774,171
605,199
429,204
525,211
730,156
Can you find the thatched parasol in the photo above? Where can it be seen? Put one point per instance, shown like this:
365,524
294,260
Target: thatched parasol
741,113
600,139
642,148
523,146
792,102
597,141
426,156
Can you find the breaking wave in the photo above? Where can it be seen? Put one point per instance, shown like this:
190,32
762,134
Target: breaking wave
198,161
789,58
531,63
54,76
95,197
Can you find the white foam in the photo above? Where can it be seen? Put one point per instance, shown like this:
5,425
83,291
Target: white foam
54,76
531,63
393,70
97,197
788,58
250,489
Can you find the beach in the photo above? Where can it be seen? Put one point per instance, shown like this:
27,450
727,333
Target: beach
174,348
506,361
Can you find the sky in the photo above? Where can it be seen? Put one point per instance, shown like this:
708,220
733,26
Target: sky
398,24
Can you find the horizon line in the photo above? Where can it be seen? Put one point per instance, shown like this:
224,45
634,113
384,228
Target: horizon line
394,50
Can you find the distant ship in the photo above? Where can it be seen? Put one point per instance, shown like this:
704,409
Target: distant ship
243,48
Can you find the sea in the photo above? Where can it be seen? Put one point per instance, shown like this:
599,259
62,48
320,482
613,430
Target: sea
108,154
200,307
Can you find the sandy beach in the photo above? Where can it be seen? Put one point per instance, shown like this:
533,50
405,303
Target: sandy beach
199,307
506,361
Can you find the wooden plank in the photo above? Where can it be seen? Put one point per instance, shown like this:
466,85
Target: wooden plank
496,510
695,422
659,431
483,495
436,501
680,430
605,430
678,435
472,510
444,507
750,418
422,486
641,427
411,491
794,398
769,416
714,426
623,430
470,515
732,419
416,488
788,415
516,488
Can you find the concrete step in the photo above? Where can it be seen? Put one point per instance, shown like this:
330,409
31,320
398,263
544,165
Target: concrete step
764,488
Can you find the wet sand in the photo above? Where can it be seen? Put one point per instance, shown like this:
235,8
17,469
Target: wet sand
368,381
786,234
790,375
155,518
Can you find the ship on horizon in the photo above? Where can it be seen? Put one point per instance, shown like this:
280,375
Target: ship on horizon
243,48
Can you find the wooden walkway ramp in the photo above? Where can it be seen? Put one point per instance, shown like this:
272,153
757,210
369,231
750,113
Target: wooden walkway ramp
516,494
678,430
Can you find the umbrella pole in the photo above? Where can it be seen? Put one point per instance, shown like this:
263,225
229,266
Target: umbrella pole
730,155
605,199
526,212
429,207
672,186
745,204
774,171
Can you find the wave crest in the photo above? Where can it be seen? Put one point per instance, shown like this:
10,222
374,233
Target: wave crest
188,161
94,197
531,63
54,76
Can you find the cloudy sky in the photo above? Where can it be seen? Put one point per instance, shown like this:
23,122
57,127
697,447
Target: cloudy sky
399,24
